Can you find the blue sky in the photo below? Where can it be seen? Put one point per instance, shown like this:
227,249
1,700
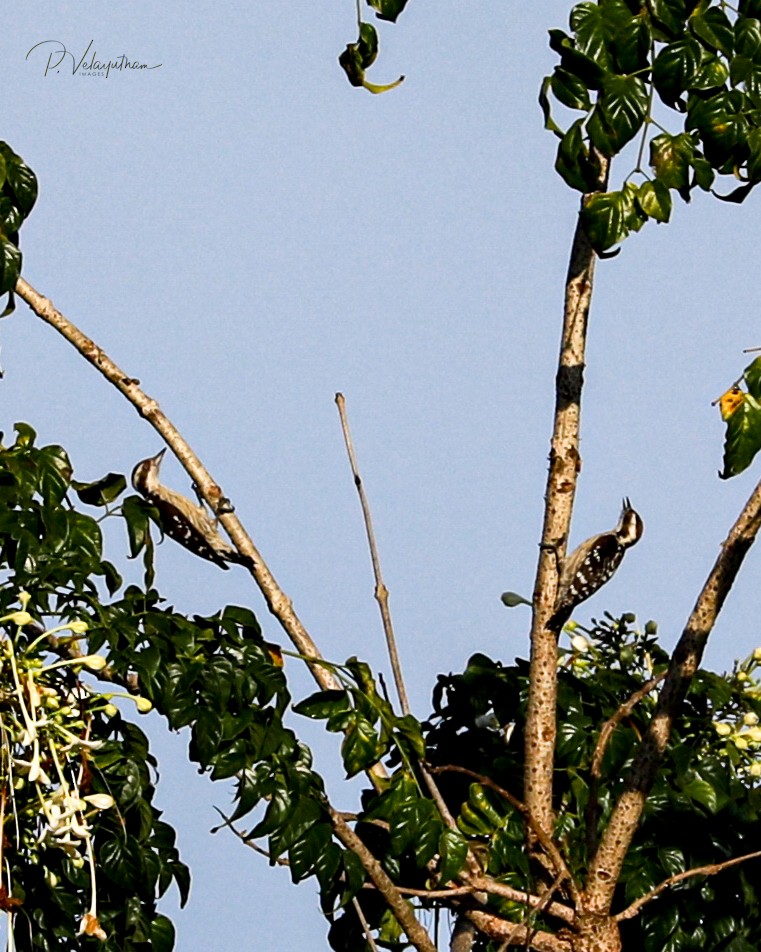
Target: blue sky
248,234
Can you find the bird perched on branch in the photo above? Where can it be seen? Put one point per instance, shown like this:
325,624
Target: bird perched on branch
593,563
182,519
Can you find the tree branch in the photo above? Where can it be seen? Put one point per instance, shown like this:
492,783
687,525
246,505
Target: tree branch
365,925
565,463
709,870
381,592
277,601
605,866
593,804
502,929
402,911
541,835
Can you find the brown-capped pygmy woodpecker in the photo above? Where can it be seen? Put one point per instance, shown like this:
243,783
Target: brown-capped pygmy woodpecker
593,563
182,519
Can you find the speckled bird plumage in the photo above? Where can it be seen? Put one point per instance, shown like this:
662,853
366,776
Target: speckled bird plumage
182,519
593,563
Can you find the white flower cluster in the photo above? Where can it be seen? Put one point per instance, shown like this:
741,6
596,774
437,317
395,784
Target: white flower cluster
45,726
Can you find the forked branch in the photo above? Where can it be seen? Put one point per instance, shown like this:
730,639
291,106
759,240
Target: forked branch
710,870
605,866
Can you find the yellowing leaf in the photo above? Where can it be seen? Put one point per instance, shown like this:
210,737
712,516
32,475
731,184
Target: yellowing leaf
730,401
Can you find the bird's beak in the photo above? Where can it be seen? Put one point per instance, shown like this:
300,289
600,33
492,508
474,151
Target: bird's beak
626,503
159,456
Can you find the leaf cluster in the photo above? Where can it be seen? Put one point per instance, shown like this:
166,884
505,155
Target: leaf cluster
698,59
18,193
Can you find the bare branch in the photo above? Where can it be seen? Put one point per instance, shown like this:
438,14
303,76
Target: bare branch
605,866
541,835
520,927
245,838
593,804
501,929
435,893
709,870
539,903
381,592
565,463
277,601
365,925
401,910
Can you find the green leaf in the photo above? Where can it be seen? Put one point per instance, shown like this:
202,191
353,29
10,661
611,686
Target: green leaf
712,26
511,599
676,67
276,814
453,851
10,265
575,62
102,491
612,35
359,56
136,513
19,179
605,216
742,439
754,169
54,473
588,24
569,90
702,792
388,9
748,38
408,729
654,200
324,704
301,820
162,934
416,825
670,15
752,375
713,74
361,745
573,162
305,852
544,101
618,114
723,127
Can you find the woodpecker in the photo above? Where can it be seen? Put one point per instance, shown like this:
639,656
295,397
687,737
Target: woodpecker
593,563
181,519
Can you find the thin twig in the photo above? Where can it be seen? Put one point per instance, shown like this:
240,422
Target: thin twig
277,601
709,870
556,909
381,592
605,866
544,902
381,596
541,835
593,804
245,838
365,924
434,893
